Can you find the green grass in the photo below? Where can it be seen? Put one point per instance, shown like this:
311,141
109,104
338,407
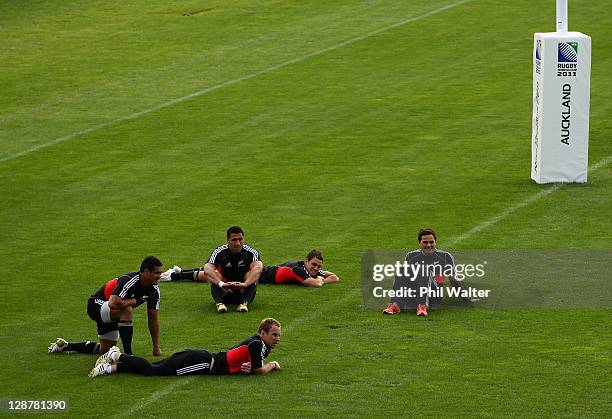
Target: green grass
307,132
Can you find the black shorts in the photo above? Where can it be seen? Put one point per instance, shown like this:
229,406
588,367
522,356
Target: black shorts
191,362
268,275
93,311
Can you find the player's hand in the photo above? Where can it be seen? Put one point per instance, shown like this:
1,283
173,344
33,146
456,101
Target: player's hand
331,278
239,285
276,365
245,368
157,352
227,287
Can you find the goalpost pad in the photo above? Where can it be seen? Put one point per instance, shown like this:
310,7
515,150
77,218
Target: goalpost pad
560,124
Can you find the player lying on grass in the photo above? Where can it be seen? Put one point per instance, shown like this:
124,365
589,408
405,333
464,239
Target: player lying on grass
307,272
247,357
112,306
232,271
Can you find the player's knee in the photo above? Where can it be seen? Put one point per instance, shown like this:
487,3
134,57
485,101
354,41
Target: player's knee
208,271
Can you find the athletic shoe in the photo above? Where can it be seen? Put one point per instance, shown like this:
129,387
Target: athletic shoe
101,369
58,346
109,357
167,276
392,308
421,310
221,308
243,308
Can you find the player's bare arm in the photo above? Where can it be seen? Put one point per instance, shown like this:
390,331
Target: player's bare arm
210,274
314,282
269,367
330,277
252,275
153,320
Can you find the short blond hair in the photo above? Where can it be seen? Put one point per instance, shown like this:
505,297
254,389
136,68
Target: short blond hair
267,323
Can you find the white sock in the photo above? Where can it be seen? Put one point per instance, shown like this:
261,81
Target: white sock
109,369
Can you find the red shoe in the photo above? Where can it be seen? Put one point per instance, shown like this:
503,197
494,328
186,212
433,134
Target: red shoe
392,308
421,310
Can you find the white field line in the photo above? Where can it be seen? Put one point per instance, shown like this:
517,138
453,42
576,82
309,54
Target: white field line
530,200
226,84
317,313
155,396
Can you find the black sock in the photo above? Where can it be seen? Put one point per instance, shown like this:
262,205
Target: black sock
126,330
190,274
83,347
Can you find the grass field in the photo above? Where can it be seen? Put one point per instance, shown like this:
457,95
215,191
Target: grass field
149,127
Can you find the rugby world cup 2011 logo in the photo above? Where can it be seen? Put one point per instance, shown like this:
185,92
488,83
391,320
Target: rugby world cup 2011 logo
567,59
568,52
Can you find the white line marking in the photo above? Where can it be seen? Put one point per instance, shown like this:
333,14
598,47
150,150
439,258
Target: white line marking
518,206
156,395
225,84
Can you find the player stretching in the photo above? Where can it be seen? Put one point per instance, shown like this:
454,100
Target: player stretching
247,357
232,271
307,272
111,308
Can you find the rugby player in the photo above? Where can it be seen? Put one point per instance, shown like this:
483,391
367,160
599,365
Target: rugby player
426,255
247,357
232,271
111,307
308,272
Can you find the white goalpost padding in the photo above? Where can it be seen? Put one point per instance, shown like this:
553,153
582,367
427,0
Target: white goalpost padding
561,95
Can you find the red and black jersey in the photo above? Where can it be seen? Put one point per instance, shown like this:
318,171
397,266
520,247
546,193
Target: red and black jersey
252,350
129,286
233,266
288,272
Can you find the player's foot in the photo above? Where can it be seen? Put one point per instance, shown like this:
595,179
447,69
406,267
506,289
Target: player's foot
58,346
242,308
110,357
167,275
392,308
101,369
221,308
421,310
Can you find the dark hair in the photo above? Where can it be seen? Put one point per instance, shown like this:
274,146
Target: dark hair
427,231
150,263
266,324
314,254
234,230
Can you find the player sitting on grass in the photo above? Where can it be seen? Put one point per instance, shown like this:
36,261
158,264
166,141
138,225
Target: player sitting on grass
232,271
307,272
427,257
111,308
247,357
